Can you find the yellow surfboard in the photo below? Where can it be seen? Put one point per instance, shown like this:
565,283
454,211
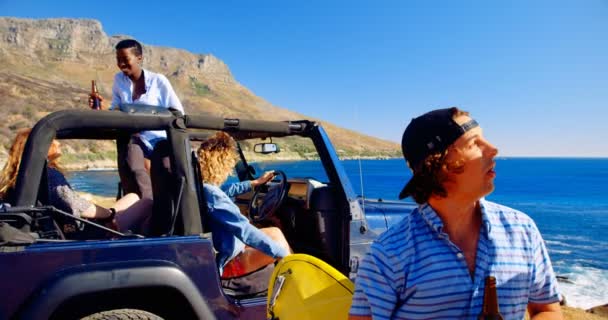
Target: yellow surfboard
303,287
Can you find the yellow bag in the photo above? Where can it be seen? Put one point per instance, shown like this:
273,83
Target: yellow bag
304,287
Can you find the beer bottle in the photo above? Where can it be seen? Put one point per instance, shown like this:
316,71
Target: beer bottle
94,92
489,310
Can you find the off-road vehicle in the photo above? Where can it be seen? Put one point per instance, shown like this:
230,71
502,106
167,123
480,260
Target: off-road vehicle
172,274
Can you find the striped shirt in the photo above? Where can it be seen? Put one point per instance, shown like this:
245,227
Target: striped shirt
413,270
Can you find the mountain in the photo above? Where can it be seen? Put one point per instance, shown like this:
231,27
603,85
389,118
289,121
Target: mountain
48,64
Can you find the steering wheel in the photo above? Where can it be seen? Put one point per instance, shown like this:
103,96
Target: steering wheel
274,198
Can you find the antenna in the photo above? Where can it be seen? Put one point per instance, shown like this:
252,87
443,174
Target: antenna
359,159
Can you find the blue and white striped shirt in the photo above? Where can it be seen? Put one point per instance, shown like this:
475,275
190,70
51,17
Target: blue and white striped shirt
413,271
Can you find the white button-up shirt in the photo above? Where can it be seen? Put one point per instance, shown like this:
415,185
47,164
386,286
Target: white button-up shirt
159,92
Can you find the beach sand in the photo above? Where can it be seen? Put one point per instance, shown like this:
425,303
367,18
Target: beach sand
570,313
599,312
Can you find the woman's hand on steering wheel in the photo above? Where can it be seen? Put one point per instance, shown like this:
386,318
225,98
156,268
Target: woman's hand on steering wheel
273,198
263,179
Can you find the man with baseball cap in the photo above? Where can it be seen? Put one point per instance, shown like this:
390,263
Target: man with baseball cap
433,263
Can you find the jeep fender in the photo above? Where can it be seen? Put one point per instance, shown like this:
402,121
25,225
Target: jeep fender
92,278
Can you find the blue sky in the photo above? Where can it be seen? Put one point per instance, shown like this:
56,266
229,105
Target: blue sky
533,73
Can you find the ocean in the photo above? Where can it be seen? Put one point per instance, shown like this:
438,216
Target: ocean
566,197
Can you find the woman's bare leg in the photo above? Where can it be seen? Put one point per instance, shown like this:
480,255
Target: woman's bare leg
134,216
126,201
277,235
252,259
256,258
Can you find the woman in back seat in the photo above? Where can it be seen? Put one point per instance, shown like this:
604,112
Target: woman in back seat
231,231
125,214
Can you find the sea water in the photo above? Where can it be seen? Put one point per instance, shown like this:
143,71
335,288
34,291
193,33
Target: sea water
566,197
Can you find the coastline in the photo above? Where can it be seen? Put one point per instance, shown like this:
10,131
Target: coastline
105,164
110,164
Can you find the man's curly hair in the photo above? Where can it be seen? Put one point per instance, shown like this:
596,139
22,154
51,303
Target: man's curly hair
217,157
430,176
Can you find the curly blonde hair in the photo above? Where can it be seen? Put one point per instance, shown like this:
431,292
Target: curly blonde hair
8,177
217,157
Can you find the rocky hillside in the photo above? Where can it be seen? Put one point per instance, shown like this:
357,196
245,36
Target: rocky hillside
48,65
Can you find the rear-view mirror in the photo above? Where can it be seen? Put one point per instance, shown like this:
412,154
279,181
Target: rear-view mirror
266,148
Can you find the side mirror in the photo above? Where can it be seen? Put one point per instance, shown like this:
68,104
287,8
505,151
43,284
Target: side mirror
266,148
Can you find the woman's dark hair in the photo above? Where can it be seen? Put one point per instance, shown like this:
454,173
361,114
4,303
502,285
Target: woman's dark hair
430,176
130,43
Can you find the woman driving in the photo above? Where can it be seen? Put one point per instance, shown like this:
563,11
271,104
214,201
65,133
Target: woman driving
242,248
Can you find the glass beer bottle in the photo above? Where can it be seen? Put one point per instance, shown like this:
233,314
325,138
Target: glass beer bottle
489,310
94,92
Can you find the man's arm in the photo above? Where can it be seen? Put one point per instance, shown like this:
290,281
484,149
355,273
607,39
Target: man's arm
375,294
544,283
539,311
116,99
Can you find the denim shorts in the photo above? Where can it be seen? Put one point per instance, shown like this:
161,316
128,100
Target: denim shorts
148,147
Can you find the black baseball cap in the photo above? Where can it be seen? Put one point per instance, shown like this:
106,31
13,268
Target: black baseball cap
430,133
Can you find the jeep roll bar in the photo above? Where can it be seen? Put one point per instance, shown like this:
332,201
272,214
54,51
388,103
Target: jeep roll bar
110,125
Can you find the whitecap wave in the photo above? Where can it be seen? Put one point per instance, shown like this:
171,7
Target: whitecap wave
581,245
559,238
586,287
552,251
